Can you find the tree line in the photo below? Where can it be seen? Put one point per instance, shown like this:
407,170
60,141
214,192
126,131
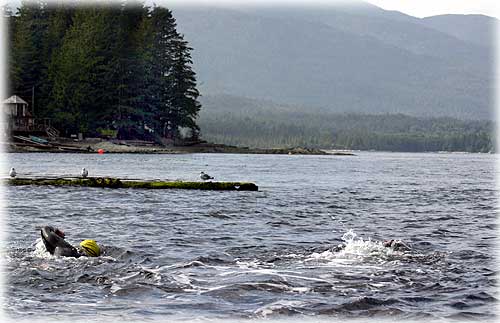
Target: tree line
104,67
387,132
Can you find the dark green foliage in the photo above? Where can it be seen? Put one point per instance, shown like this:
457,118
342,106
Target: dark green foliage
263,124
168,65
106,66
184,105
85,81
28,52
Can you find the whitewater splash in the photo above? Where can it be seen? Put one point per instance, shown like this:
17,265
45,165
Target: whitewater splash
354,248
359,246
40,250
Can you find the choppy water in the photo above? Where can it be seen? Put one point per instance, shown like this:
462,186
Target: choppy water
267,254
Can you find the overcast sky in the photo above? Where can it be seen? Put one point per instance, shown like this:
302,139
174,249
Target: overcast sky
424,8
417,8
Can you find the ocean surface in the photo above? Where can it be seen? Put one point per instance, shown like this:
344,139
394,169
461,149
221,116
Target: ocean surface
205,255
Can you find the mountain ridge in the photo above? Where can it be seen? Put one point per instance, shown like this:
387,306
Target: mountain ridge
292,60
476,28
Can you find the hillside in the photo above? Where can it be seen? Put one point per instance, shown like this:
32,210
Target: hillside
359,59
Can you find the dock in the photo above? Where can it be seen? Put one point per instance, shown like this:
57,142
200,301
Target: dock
116,183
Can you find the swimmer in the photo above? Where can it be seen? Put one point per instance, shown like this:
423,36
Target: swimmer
396,245
54,242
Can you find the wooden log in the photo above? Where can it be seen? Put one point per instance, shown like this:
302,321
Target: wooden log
108,182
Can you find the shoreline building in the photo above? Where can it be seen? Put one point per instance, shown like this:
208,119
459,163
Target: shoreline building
18,120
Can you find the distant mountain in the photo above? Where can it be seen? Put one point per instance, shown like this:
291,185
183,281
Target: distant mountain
392,28
476,29
356,58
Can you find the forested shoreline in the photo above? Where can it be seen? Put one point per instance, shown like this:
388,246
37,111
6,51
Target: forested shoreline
124,71
120,69
387,132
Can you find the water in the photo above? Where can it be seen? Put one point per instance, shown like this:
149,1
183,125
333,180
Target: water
203,255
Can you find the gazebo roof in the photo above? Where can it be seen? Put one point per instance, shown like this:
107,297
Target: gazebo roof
14,99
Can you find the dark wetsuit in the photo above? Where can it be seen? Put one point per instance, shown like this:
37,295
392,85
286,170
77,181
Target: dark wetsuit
55,243
397,245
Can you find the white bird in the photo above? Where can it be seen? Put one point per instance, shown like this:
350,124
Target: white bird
205,177
12,172
85,173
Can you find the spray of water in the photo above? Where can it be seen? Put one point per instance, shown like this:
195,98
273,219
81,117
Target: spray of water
40,250
353,247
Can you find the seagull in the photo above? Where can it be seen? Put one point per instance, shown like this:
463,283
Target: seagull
205,177
12,172
85,172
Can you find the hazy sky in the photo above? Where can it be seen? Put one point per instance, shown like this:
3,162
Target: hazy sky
424,8
417,8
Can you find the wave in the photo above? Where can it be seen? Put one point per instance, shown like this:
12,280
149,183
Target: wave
282,307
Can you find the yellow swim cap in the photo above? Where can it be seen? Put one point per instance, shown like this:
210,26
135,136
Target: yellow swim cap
91,248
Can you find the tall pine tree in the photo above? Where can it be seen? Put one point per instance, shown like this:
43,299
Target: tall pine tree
172,71
27,54
84,71
130,114
184,95
112,66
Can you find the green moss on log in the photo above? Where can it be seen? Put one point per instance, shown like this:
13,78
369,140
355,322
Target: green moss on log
117,183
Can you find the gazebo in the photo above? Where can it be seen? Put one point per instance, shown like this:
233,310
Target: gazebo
19,119
16,107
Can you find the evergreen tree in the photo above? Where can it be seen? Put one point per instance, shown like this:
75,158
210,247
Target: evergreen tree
84,71
147,82
122,67
130,114
59,21
159,82
173,78
184,95
27,67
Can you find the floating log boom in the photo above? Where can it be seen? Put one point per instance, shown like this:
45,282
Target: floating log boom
108,182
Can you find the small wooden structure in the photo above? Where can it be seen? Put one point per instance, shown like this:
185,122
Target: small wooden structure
19,119
18,116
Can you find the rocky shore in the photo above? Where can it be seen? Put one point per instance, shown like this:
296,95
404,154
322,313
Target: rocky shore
143,147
